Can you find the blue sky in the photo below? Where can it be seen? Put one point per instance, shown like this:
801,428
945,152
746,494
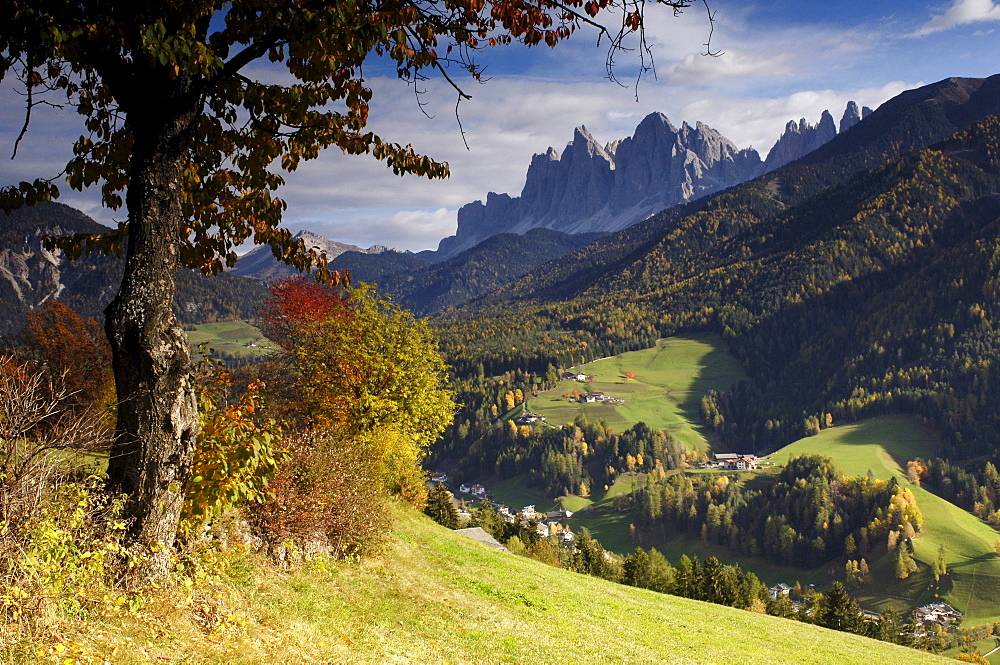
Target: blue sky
781,60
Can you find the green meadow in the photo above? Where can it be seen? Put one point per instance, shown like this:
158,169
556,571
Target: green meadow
596,512
982,647
231,337
435,596
884,445
670,380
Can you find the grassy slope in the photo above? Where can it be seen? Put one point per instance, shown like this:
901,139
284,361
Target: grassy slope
595,512
435,596
983,647
228,336
884,445
671,378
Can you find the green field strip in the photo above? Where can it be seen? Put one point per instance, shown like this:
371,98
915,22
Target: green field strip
671,379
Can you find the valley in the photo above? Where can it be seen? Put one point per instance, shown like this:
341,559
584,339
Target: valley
234,338
665,390
670,379
883,446
831,313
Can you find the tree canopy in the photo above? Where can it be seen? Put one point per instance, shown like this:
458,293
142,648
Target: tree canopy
129,69
187,126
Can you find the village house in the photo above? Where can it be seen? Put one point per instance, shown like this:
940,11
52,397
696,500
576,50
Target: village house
439,477
779,589
527,418
478,490
736,461
560,532
745,463
556,515
465,488
575,376
939,613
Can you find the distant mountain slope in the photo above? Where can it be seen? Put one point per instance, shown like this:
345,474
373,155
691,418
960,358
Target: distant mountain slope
373,267
910,121
913,119
874,295
29,275
260,262
496,261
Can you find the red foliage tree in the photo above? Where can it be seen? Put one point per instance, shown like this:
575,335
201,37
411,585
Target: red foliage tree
71,349
305,319
298,304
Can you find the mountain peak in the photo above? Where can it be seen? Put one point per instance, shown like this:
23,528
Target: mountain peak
605,188
851,117
799,139
261,264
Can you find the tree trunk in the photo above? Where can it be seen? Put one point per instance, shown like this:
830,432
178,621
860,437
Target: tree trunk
157,412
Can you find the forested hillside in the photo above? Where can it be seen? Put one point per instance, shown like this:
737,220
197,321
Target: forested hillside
496,261
877,293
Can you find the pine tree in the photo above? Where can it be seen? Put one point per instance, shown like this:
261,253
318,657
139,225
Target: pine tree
441,508
940,565
839,611
904,563
888,628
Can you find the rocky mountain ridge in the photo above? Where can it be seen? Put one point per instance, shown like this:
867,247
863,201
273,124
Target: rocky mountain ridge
800,139
260,262
30,275
595,188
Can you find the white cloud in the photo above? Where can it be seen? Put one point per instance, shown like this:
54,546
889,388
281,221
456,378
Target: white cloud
759,122
408,229
700,69
961,12
771,72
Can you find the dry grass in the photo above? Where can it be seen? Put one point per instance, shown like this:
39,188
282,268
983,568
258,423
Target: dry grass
432,597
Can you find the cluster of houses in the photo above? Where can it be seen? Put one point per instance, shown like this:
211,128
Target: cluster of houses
941,614
527,418
733,462
547,524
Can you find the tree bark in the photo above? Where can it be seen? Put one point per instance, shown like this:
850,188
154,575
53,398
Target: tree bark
157,412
